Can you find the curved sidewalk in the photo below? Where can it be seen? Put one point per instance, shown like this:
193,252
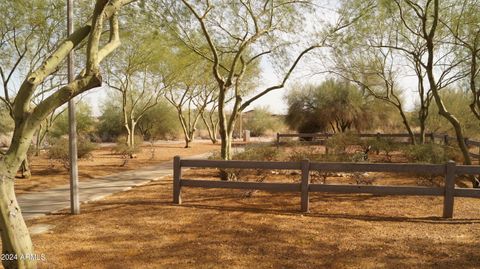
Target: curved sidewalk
43,202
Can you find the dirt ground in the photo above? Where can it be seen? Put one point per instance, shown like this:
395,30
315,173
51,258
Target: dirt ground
47,173
141,228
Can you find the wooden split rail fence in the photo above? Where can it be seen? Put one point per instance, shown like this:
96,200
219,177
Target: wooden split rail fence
449,170
442,138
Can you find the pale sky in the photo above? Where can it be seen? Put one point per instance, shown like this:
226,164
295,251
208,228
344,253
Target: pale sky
303,74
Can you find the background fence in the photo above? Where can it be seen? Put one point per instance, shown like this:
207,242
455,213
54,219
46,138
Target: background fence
449,170
440,138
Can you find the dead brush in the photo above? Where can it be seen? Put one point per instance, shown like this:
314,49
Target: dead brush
317,176
429,180
362,178
250,193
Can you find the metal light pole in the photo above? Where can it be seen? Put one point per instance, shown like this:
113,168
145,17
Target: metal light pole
72,135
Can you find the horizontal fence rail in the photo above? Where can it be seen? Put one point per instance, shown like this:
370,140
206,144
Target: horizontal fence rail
432,169
450,170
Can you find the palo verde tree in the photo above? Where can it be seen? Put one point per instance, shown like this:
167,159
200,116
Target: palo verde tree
27,117
234,36
374,70
440,61
191,91
135,71
363,55
190,101
463,27
25,39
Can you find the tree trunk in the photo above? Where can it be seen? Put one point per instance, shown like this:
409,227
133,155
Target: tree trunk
25,169
130,127
212,131
187,142
38,141
225,145
132,133
16,240
442,110
407,126
185,128
129,135
422,130
14,232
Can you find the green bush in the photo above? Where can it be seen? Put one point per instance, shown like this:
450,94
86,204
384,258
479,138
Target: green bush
385,145
260,121
122,148
339,143
258,153
431,153
315,155
59,150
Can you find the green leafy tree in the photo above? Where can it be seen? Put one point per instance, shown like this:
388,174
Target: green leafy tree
457,102
439,56
234,36
110,123
28,115
335,106
135,72
160,122
463,27
260,121
85,122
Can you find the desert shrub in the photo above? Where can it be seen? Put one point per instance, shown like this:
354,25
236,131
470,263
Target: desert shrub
314,154
260,121
122,139
59,150
431,153
215,156
122,148
299,154
339,143
385,145
258,153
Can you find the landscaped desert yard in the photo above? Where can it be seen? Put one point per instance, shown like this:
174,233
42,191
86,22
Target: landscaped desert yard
142,228
103,161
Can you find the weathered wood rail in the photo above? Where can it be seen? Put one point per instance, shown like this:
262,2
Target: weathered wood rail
449,170
443,138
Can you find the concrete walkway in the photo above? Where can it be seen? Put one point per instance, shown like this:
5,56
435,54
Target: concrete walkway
41,203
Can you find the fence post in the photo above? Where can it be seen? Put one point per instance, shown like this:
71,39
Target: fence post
449,187
432,137
445,139
378,139
466,141
278,140
304,185
177,174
